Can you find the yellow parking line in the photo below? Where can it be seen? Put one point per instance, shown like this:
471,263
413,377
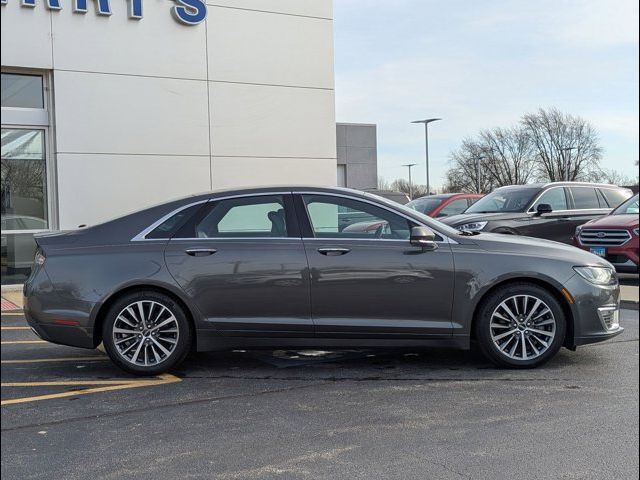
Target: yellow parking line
94,358
165,378
69,383
22,342
12,314
15,328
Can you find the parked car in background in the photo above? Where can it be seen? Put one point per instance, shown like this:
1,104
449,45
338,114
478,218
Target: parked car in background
549,210
273,268
444,205
614,237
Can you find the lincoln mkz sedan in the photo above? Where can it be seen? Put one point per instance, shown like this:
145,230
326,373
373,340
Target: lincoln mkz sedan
280,268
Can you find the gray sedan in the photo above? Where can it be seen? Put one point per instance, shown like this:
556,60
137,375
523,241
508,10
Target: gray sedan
281,267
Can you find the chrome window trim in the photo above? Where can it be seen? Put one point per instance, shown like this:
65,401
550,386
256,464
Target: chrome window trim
595,210
141,237
25,231
598,210
446,239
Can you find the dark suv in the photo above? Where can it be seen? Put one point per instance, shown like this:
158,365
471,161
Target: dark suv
551,210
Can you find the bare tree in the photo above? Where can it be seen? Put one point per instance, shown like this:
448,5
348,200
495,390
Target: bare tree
565,146
508,156
402,185
612,177
464,175
494,158
383,184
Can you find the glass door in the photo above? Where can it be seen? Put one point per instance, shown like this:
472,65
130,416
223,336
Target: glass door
23,195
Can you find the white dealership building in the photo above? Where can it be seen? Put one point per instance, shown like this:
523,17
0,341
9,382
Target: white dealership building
112,105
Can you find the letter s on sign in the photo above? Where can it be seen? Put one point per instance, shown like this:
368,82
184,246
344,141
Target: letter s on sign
189,12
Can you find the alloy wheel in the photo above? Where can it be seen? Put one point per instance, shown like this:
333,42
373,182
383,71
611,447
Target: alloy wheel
522,327
145,333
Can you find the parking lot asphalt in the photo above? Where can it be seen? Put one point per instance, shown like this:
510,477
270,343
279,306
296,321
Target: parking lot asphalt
70,414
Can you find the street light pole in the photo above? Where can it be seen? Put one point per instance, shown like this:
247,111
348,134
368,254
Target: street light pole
567,161
410,182
426,146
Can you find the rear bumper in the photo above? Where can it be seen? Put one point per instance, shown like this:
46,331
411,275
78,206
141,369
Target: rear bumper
50,316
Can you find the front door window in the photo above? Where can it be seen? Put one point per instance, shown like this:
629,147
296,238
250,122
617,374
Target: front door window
338,217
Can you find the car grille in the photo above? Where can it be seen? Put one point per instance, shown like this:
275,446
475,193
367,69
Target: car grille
604,238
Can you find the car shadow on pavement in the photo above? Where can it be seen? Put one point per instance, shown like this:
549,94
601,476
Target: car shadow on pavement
365,363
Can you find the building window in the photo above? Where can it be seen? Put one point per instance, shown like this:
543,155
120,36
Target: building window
24,198
22,91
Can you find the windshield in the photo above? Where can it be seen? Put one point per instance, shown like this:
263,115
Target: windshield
507,200
430,222
628,207
425,205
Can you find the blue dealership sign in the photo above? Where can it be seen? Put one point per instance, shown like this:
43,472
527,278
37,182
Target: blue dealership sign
187,12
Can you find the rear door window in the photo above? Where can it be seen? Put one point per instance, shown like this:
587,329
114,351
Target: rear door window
255,216
584,198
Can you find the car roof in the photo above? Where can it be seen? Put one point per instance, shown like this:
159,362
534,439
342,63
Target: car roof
449,195
229,192
561,184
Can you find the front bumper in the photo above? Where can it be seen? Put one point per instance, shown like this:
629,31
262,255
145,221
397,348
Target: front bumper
592,309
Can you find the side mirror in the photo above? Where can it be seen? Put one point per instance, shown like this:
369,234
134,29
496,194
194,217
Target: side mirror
423,237
544,208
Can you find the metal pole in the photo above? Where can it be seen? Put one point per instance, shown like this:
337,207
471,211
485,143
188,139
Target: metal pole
426,147
409,165
410,184
478,173
426,150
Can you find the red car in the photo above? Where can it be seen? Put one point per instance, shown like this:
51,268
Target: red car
614,237
444,205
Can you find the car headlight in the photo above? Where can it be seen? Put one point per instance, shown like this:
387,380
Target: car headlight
637,232
473,226
598,275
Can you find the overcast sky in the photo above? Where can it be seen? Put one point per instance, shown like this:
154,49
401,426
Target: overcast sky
483,63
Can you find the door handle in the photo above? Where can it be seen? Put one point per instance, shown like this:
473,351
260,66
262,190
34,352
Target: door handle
200,252
333,251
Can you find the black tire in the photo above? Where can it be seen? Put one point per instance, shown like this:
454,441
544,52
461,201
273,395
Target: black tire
482,325
150,299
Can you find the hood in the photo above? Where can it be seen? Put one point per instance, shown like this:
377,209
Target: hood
537,247
614,221
457,220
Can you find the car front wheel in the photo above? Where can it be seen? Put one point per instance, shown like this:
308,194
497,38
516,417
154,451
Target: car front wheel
146,333
520,326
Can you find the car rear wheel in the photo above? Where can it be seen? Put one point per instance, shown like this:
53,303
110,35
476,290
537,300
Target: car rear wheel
520,326
146,333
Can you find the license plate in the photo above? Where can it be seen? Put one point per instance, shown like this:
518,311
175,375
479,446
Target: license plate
600,251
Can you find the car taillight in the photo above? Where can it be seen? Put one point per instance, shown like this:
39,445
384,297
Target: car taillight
39,259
